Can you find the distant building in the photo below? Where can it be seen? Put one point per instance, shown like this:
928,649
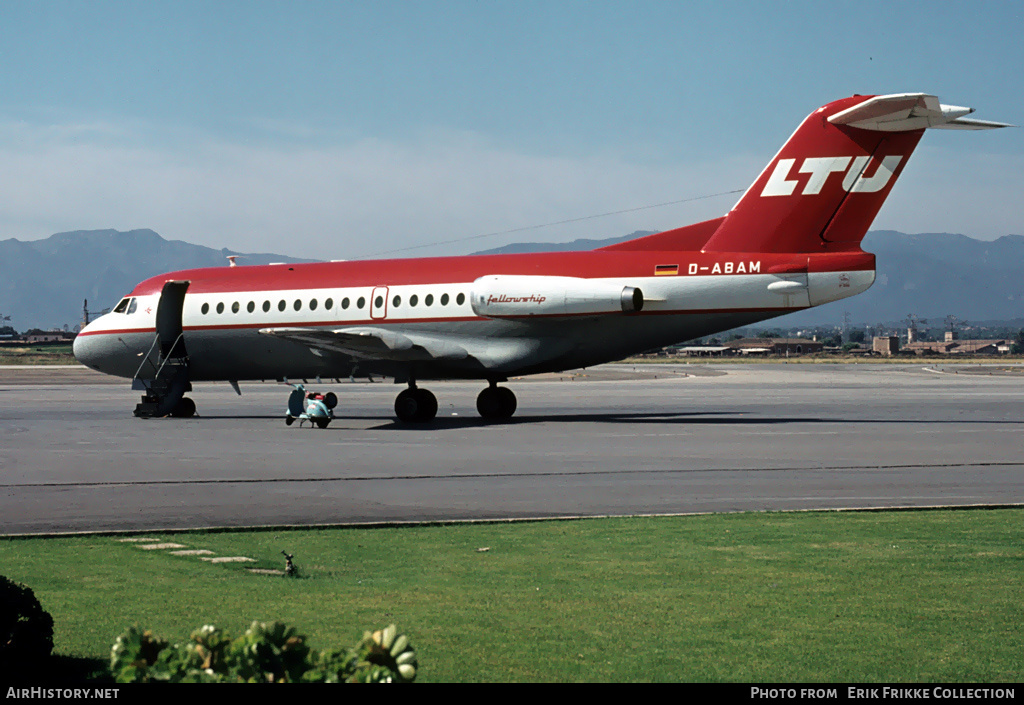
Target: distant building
981,347
775,346
704,350
952,346
886,344
44,338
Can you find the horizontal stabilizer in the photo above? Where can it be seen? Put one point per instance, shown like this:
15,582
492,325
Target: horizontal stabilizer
903,112
968,124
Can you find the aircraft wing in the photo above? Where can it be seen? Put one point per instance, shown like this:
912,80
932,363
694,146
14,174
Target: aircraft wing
369,343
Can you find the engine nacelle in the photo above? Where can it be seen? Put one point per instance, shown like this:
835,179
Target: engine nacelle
513,296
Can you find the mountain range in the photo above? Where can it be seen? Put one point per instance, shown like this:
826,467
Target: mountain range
43,282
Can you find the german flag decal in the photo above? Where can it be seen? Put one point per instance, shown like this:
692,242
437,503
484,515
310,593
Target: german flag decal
661,270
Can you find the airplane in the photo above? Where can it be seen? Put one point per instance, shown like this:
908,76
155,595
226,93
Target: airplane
791,242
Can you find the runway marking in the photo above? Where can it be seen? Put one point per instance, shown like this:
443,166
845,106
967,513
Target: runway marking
157,546
483,475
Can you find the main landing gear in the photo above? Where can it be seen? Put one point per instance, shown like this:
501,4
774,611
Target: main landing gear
415,405
496,402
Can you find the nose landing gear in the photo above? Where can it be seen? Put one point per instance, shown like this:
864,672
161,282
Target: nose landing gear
184,409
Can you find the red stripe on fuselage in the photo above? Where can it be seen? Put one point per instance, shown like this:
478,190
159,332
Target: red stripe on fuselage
118,331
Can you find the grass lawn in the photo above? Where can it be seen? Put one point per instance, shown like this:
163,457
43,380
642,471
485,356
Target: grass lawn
37,355
902,596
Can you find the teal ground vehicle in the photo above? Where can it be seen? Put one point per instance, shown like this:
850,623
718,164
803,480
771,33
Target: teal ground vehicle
316,408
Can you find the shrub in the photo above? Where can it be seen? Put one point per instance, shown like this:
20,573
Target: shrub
265,653
26,629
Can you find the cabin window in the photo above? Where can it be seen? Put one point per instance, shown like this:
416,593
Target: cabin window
266,307
298,304
220,307
235,307
121,306
413,300
429,300
361,302
460,299
312,305
444,299
132,305
379,301
344,302
396,301
329,304
281,305
251,307
205,309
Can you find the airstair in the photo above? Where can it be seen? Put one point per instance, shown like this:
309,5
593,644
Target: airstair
163,375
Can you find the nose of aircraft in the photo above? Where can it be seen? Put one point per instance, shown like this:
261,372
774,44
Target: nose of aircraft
100,352
109,351
85,349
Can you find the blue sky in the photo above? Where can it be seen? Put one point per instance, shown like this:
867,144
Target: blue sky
344,129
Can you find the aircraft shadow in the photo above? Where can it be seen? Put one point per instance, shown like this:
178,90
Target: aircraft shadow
687,417
717,418
443,423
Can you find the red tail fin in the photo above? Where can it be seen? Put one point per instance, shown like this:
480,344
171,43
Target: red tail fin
823,189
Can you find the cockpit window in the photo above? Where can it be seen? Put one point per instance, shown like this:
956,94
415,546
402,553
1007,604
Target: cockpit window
122,305
132,306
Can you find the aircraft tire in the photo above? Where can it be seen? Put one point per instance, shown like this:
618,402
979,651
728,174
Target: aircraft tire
330,400
496,403
427,406
322,423
184,409
487,403
415,406
407,406
289,420
508,402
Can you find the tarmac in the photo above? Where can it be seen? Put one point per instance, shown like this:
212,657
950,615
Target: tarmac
613,440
